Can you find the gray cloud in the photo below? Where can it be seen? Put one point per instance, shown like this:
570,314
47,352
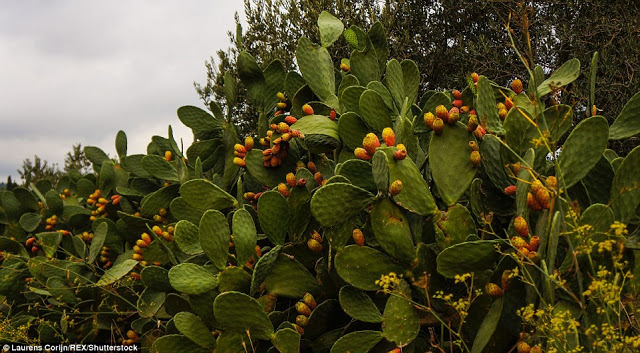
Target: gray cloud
76,71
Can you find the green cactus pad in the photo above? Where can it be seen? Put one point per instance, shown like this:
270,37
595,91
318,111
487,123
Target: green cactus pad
176,343
486,107
566,74
269,177
391,230
352,130
234,279
117,271
350,99
292,83
263,269
519,132
156,278
598,216
583,148
338,236
121,144
488,327
238,312
334,203
150,302
627,123
467,257
419,200
157,200
624,189
132,164
357,342
50,242
362,266
289,278
456,224
384,93
192,279
492,162
95,155
358,172
187,239
316,67
403,81
99,236
159,168
214,235
374,111
300,204
365,65
321,134
194,329
330,28
60,290
559,119
598,181
54,202
245,235
451,168
400,321
30,221
274,215
287,340
359,305
203,194
198,120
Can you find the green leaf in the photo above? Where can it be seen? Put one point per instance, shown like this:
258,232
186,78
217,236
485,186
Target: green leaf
566,74
488,326
176,343
330,28
467,257
627,123
198,119
392,232
357,342
194,329
359,305
150,302
583,148
95,155
117,271
30,221
287,340
362,266
159,168
121,144
352,129
239,313
624,190
245,235
187,238
486,107
192,279
214,236
274,215
374,111
99,236
334,203
316,67
60,290
400,321
203,194
289,278
50,242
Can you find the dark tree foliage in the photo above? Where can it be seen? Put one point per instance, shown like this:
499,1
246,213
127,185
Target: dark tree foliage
450,39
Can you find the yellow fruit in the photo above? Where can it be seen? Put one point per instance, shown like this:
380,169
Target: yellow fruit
358,237
388,136
370,143
168,155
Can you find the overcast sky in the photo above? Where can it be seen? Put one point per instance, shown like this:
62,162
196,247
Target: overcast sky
79,71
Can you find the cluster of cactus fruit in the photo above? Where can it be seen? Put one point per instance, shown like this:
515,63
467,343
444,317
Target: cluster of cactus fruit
369,217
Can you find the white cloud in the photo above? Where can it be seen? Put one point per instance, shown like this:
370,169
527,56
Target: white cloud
80,71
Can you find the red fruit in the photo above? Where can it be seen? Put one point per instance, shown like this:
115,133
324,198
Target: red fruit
34,249
516,86
312,167
361,153
457,103
370,143
510,190
453,116
523,347
456,94
257,196
303,309
282,128
441,112
502,113
317,177
308,299
429,118
532,203
464,109
281,96
534,243
508,103
315,235
296,134
535,186
475,158
291,179
314,245
400,154
479,132
307,109
146,238
290,120
518,242
302,182
283,190
286,137
273,127
302,320
475,77
438,126
278,112
521,227
543,197
493,290
238,154
332,115
344,67
473,145
388,136
238,161
358,237
552,182
30,241
239,148
506,280
395,187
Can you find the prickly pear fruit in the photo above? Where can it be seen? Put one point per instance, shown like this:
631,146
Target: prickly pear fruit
388,136
479,132
315,235
429,118
302,320
523,347
282,128
307,109
552,182
344,67
532,203
456,94
286,137
493,290
543,197
291,179
281,96
249,196
308,299
248,143
281,105
314,245
146,238
290,120
472,124
312,167
400,154
303,309
518,242
370,143
239,148
506,280
283,190
475,158
442,112
457,103
475,77
516,86
332,114
395,187
438,126
536,349
534,243
521,227
302,182
510,190
238,161
473,146
453,116
502,113
508,102
358,237
168,155
317,177
535,186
